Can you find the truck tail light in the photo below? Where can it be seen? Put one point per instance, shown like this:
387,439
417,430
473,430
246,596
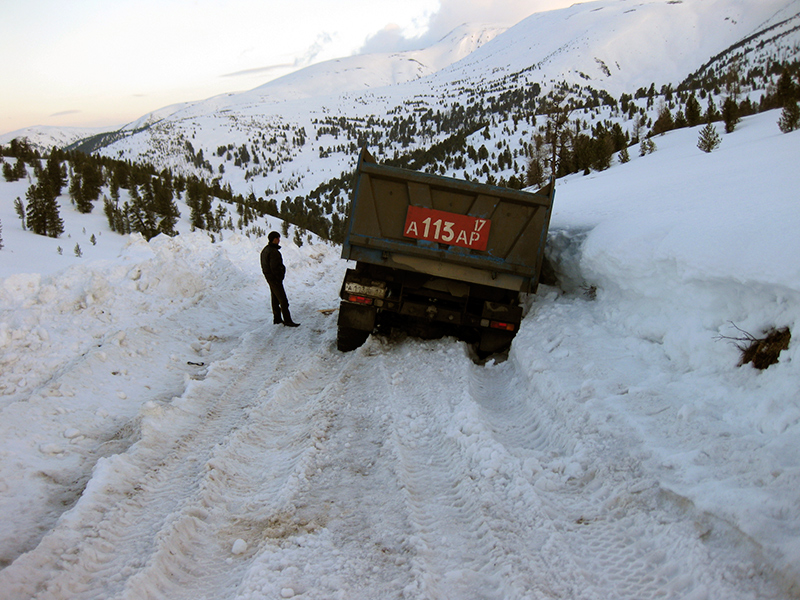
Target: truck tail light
359,299
501,325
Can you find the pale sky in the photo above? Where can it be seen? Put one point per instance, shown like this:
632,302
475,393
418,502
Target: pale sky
104,63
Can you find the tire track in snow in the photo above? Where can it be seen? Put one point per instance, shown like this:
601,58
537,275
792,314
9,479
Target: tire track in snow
250,484
158,513
396,471
457,554
615,532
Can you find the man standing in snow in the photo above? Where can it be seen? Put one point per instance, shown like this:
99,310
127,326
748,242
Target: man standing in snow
274,272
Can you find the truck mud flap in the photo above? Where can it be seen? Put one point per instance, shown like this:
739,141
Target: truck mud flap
354,326
354,316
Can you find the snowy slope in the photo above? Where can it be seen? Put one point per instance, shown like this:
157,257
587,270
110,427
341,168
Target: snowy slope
357,73
616,45
611,45
44,137
161,438
336,77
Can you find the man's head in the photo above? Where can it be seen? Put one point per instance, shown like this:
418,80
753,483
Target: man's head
274,237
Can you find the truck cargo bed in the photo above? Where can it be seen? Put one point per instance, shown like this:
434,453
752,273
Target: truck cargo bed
391,205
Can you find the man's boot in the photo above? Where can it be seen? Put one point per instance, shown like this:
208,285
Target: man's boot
287,319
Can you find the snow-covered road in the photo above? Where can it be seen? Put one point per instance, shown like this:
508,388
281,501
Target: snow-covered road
269,465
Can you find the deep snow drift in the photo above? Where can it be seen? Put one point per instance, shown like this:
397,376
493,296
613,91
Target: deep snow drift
161,438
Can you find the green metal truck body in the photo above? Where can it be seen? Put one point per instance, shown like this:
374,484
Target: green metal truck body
436,255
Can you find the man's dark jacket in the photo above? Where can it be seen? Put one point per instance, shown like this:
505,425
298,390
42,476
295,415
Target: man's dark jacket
272,263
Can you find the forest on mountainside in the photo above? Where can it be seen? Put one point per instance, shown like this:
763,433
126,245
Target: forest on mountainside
571,129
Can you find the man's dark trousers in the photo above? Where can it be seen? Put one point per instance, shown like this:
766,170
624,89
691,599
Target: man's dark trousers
280,303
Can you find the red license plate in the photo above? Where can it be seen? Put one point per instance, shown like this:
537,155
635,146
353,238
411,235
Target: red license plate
447,228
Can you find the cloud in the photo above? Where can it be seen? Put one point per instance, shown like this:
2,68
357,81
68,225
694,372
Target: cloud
306,58
302,59
389,39
452,14
258,70
66,112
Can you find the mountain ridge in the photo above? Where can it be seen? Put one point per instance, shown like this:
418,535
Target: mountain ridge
304,127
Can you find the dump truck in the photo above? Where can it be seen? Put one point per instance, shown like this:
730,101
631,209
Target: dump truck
439,256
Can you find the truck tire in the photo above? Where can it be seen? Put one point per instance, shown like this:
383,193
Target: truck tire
492,342
348,339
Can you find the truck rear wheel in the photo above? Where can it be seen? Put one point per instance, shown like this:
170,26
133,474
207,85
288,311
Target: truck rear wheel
492,342
348,339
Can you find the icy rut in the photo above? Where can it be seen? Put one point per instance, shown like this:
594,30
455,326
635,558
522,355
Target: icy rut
401,470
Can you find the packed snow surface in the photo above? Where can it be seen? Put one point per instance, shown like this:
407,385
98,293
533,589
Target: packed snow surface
161,438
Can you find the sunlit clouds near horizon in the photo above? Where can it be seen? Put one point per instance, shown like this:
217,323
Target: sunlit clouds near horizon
103,64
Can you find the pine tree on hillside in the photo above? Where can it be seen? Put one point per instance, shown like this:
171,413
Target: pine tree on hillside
1,235
786,89
141,216
91,180
199,202
35,211
54,173
692,112
15,173
664,122
730,114
711,112
42,213
164,205
76,192
790,117
8,172
20,208
709,138
647,146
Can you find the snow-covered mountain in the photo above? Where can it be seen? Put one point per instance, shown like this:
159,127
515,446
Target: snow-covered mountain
338,76
44,137
616,46
611,45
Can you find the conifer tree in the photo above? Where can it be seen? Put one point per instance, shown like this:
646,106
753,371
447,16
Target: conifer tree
165,207
790,117
15,173
730,114
709,138
199,203
76,193
664,122
647,146
141,216
20,208
35,211
91,180
786,89
42,212
54,174
8,172
692,112
55,224
711,112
